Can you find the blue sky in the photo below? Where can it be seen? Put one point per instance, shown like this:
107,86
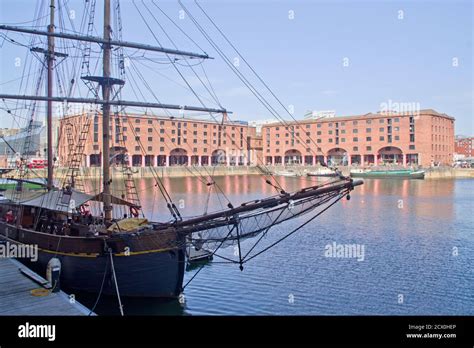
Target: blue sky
403,60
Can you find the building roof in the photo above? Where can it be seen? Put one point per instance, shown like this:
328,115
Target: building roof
236,123
464,139
369,115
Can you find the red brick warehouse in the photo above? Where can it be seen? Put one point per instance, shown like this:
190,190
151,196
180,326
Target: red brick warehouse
424,138
162,141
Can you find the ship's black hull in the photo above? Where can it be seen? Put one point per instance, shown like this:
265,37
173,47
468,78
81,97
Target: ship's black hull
153,273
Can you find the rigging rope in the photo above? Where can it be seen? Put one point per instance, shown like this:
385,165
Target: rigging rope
341,195
115,282
254,91
101,287
185,80
212,254
169,114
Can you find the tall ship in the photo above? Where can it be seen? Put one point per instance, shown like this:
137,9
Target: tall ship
102,242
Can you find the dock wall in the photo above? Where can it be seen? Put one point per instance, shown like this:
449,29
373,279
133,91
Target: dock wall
181,171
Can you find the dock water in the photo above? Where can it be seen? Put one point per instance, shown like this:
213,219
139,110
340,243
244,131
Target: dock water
94,173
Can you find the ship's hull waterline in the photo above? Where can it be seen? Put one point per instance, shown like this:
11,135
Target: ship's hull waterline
153,273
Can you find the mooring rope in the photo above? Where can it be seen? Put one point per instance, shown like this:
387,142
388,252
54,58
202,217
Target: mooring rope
101,288
115,281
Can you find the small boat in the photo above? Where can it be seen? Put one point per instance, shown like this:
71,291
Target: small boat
388,173
287,173
193,254
324,172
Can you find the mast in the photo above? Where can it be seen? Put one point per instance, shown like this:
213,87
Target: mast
49,107
111,102
101,41
106,114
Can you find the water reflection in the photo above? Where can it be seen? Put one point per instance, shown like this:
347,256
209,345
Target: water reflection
409,228
194,196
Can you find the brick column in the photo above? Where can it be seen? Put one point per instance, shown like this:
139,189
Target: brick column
404,160
143,161
200,161
167,160
88,160
361,160
349,160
